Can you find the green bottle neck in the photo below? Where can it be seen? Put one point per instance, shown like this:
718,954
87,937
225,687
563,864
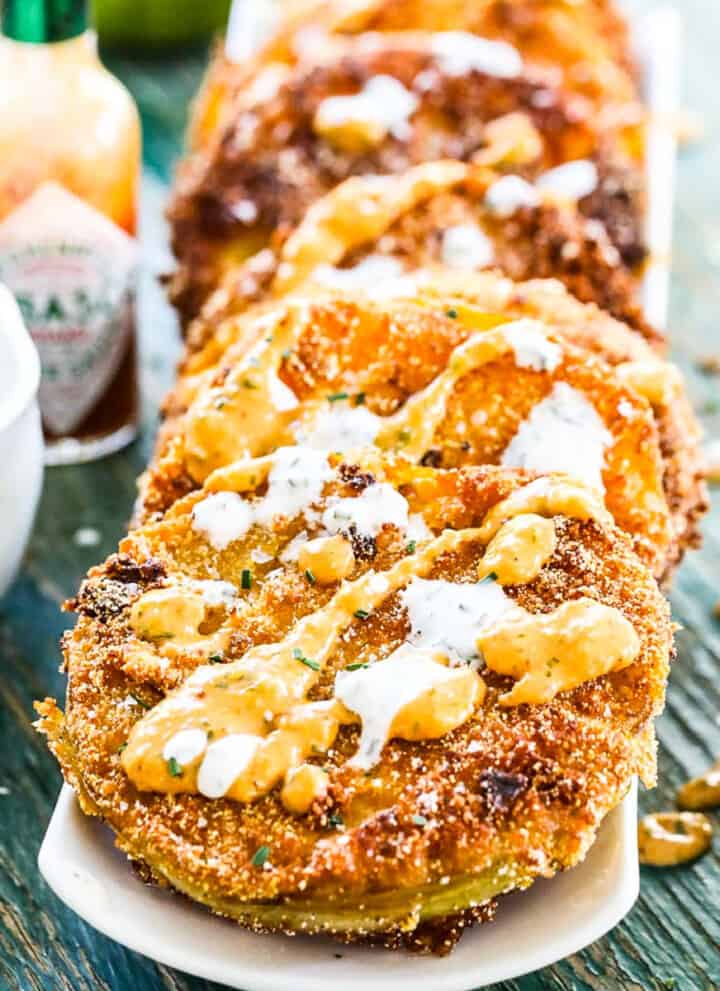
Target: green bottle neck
43,21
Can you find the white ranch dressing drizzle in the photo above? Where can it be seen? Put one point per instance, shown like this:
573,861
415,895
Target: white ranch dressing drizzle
383,101
510,193
340,427
295,481
417,528
224,761
532,347
466,246
216,593
222,518
281,396
186,746
378,692
570,181
459,52
563,433
367,513
382,275
449,617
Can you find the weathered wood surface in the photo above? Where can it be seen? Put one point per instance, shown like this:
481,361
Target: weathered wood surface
672,937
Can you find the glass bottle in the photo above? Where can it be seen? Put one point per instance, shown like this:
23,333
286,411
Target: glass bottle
69,173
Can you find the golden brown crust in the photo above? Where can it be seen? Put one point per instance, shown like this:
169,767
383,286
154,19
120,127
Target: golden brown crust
391,351
587,42
521,790
545,241
268,165
585,325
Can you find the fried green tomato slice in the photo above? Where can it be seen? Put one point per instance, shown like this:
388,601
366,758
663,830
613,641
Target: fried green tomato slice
429,828
587,42
371,230
440,380
381,104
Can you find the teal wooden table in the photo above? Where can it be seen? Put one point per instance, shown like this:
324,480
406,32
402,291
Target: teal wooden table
671,939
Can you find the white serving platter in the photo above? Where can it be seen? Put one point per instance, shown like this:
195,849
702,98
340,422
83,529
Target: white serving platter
550,921
534,928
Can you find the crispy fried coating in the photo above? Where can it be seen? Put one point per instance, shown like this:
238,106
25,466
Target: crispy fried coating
587,42
269,164
389,352
411,215
587,326
513,794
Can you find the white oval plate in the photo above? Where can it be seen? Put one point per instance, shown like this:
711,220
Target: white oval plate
535,928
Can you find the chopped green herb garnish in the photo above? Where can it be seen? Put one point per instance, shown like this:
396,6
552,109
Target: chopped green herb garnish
336,820
361,614
310,576
491,576
404,436
359,398
123,746
220,403
246,579
452,313
337,396
356,667
249,384
260,856
140,702
410,548
174,768
419,820
215,659
307,661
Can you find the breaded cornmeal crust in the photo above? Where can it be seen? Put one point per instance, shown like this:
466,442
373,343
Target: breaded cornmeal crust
587,42
421,845
441,213
389,352
274,156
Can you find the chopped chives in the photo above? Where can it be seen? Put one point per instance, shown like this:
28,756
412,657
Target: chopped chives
307,661
246,579
310,576
411,547
355,667
337,396
452,313
215,659
419,820
336,820
174,768
361,614
260,856
360,399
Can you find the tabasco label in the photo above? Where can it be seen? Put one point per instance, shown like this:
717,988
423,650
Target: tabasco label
73,274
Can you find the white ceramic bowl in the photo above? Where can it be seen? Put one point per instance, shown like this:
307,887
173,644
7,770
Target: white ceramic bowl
21,439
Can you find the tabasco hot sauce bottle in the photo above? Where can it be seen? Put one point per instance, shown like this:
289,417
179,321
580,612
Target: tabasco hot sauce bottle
69,167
